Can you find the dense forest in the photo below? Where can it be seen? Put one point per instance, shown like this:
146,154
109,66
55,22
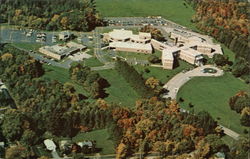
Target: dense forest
79,15
228,22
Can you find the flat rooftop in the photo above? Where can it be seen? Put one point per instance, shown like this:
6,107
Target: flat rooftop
130,45
120,34
60,50
167,54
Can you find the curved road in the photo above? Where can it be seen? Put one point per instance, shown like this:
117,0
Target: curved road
180,79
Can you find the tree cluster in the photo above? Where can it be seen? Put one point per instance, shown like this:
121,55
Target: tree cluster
155,33
159,126
133,78
79,15
241,104
90,80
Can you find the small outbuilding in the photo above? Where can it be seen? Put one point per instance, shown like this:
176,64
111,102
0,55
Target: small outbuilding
50,145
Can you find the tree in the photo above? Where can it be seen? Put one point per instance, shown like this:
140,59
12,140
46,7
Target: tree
65,22
16,152
245,117
152,82
12,125
155,33
121,151
206,122
241,67
154,59
239,102
29,138
216,144
6,56
220,60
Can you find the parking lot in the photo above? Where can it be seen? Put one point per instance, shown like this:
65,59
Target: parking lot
140,21
11,35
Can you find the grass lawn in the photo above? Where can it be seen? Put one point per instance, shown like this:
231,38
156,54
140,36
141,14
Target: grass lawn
229,53
228,140
173,10
160,73
120,91
61,75
138,56
212,94
226,51
102,140
28,46
93,62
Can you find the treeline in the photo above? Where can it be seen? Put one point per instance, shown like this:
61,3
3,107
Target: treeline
133,78
241,104
227,21
90,80
79,15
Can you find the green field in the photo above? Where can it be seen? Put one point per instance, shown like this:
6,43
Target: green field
161,74
120,91
28,46
61,75
102,140
173,10
92,62
212,94
229,53
138,56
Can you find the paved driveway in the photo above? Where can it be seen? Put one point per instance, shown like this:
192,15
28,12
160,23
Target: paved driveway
180,79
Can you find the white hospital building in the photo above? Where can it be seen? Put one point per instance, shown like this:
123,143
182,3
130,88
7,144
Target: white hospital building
189,48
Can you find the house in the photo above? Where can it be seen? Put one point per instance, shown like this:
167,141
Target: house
50,145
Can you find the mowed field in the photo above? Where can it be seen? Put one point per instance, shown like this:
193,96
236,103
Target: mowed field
102,140
173,10
212,94
120,91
